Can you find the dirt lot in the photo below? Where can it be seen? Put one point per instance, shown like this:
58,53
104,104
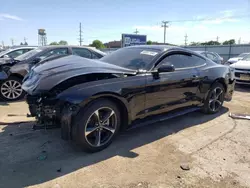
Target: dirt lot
215,147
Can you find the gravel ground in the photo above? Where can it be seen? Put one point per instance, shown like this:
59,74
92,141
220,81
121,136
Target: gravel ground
214,150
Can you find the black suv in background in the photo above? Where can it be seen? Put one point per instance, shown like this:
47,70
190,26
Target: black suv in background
13,71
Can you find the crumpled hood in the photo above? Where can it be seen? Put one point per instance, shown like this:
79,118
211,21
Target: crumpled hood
5,61
241,65
44,76
75,64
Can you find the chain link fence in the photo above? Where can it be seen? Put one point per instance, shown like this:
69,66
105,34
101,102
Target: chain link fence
225,51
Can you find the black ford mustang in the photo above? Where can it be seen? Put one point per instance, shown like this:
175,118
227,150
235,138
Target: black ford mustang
93,99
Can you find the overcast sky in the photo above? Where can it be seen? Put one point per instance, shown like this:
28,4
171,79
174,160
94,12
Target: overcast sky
106,20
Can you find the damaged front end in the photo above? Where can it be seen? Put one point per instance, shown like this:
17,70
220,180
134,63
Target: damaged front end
51,112
46,84
45,109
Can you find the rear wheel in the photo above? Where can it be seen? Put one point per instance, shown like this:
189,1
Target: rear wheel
215,99
96,126
11,89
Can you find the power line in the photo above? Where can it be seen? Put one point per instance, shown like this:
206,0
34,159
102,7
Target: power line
186,39
80,34
164,24
12,41
211,19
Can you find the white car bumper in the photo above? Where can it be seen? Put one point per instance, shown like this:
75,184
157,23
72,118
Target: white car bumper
242,76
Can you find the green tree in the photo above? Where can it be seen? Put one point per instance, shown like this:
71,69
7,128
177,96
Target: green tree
227,42
62,42
26,43
21,43
210,43
97,44
195,44
149,42
53,43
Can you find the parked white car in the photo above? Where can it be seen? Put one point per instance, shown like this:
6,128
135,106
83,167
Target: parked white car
235,59
15,52
242,70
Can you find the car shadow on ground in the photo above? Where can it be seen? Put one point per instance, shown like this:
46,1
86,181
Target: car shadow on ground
21,152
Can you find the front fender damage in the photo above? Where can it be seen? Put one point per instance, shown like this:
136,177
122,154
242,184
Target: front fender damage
52,110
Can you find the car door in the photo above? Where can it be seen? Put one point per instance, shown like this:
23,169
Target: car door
172,90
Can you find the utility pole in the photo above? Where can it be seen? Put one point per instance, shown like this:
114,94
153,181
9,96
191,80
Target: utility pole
2,43
136,31
25,41
80,34
186,39
12,41
239,41
217,39
164,24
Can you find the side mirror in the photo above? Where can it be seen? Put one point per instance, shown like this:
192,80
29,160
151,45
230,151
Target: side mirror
36,60
166,68
6,56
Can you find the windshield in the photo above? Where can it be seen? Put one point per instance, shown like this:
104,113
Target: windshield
29,54
4,52
246,58
243,55
131,58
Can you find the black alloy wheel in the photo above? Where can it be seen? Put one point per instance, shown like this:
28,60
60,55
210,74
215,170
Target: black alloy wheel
96,126
11,89
100,127
214,99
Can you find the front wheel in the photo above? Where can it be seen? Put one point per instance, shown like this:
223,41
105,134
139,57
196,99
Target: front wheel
215,99
96,126
11,89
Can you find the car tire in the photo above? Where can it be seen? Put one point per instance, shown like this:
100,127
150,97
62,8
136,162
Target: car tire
14,83
215,99
86,130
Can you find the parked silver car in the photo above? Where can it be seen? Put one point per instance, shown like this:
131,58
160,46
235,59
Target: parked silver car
215,57
236,59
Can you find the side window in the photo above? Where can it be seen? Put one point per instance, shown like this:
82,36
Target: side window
16,53
81,52
96,56
57,51
211,56
26,50
183,61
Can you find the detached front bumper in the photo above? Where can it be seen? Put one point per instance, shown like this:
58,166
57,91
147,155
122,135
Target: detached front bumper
230,90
